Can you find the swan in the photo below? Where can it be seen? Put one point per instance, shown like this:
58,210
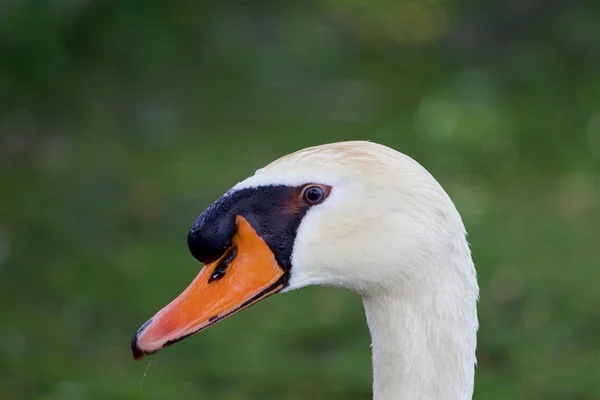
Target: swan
356,215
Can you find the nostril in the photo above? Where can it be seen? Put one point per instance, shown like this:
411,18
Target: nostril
221,268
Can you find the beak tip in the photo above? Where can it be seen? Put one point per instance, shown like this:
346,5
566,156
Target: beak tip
137,353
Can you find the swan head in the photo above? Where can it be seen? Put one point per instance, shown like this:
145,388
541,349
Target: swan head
356,215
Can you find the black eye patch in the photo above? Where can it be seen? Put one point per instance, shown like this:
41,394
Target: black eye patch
275,212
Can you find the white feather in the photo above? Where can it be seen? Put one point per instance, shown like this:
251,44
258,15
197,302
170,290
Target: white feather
389,232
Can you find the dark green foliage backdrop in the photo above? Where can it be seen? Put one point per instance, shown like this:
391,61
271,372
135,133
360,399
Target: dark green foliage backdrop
121,120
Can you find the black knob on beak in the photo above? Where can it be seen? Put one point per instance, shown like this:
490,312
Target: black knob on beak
212,232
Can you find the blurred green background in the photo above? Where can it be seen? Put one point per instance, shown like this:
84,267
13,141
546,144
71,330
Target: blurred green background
120,121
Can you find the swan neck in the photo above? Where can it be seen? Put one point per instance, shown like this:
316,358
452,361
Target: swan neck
423,346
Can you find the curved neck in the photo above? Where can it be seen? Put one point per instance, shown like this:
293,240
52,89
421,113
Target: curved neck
424,345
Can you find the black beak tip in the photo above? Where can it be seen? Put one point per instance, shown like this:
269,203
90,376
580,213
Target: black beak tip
138,353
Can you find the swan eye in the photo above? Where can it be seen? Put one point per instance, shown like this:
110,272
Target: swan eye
313,194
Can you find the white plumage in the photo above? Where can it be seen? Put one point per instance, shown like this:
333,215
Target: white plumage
389,232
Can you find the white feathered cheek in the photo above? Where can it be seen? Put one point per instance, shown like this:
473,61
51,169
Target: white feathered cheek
332,245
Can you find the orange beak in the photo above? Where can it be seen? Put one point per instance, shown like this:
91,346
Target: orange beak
245,274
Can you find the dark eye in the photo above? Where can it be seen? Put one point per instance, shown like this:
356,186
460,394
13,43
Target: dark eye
314,194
